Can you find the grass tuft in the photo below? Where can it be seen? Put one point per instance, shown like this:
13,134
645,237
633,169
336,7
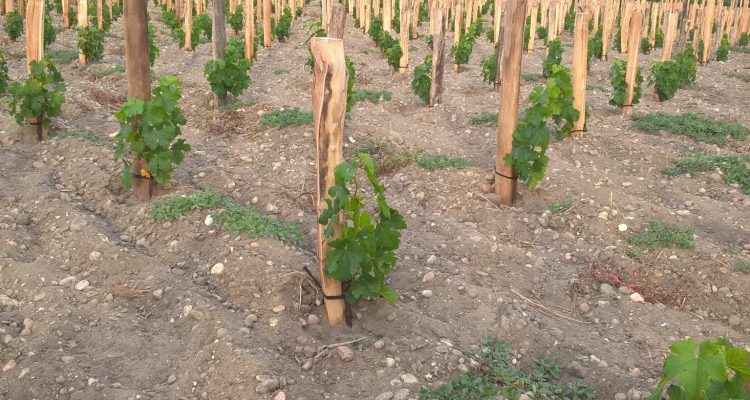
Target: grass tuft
433,162
593,86
736,169
373,96
560,205
663,234
497,376
742,77
115,69
742,266
63,56
232,217
484,118
389,158
531,77
284,118
699,128
85,135
745,50
236,105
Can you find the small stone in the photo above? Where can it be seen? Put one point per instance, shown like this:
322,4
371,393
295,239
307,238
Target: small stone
735,321
250,319
67,359
622,227
634,395
95,256
307,364
431,259
67,281
401,394
604,215
279,308
23,373
39,296
427,293
217,269
576,369
172,379
379,344
209,220
280,396
624,290
221,332
9,365
637,298
584,307
345,353
81,285
620,396
626,184
158,294
313,319
390,362
267,386
409,379
428,277
385,396
473,292
606,289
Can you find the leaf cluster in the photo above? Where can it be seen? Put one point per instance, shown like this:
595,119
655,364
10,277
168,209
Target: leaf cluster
282,29
40,97
153,49
553,100
93,14
498,376
4,77
363,250
735,169
659,39
202,25
744,40
554,57
170,20
722,53
489,67
663,234
645,45
91,43
462,50
665,76
13,25
284,118
229,74
351,79
620,85
49,30
422,81
150,130
387,44
235,19
596,45
711,369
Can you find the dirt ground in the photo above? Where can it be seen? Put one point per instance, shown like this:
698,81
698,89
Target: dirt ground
153,323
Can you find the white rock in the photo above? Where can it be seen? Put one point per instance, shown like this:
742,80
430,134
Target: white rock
409,379
217,269
95,256
637,298
209,220
67,281
622,227
82,285
428,277
427,293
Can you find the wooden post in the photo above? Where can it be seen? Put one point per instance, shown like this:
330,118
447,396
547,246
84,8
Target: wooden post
532,27
654,23
368,15
497,19
515,24
718,23
457,28
708,21
608,20
683,25
249,29
99,14
35,51
138,71
405,6
669,36
65,11
277,10
266,23
413,18
324,18
83,22
337,26
178,6
580,67
219,42
388,16
551,21
625,27
329,105
188,26
438,58
632,66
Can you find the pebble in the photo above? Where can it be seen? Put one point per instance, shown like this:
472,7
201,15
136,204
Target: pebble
576,369
634,395
221,332
735,320
67,281
428,277
584,307
637,298
95,256
385,396
280,396
82,285
158,294
620,396
379,344
9,365
622,227
409,379
427,293
473,292
23,373
172,379
279,308
431,259
217,269
345,353
39,296
401,394
250,319
604,215
626,184
67,359
313,319
209,220
606,289
267,386
307,364
390,362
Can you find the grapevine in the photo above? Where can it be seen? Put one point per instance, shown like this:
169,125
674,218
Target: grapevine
422,82
40,97
620,86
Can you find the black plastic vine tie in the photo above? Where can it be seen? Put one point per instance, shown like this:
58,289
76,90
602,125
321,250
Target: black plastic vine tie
317,283
505,176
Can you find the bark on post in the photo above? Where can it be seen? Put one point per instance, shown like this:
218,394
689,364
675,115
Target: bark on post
403,63
388,16
708,20
497,19
457,28
413,18
532,26
632,66
266,23
219,42
438,58
65,11
99,14
188,26
249,29
139,80
178,6
683,25
83,22
625,27
505,180
669,37
338,22
35,51
580,61
329,105
654,23
2,7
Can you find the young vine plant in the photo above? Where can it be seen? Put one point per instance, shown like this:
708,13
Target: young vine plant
13,25
229,74
489,67
365,253
422,82
150,130
40,97
91,43
4,77
620,85
554,57
282,29
153,49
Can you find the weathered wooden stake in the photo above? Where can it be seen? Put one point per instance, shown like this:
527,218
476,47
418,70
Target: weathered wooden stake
66,11
329,105
669,36
708,23
83,22
532,26
625,27
35,51
138,71
219,42
632,66
497,19
457,28
438,58
387,16
413,18
266,23
404,35
99,14
505,179
188,25
249,29
654,23
580,61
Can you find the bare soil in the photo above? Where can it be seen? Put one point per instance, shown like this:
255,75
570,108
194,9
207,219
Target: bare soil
518,273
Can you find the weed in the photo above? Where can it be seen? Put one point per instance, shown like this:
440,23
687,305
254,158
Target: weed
736,169
560,205
115,69
593,86
236,105
280,71
742,77
235,218
85,135
635,255
497,376
439,161
388,157
284,118
742,266
663,234
698,127
63,56
373,96
745,50
484,118
531,77
733,248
